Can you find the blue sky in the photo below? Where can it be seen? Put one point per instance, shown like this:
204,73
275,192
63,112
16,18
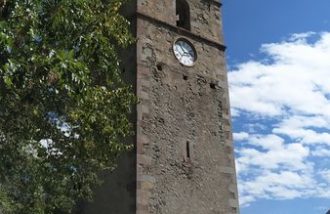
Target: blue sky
279,61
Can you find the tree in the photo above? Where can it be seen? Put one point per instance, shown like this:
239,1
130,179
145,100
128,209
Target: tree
63,105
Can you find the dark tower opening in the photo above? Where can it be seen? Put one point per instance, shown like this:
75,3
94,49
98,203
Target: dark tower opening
183,14
188,150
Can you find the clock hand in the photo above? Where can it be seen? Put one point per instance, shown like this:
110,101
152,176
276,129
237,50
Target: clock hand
183,52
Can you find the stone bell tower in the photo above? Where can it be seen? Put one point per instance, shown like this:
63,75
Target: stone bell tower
183,162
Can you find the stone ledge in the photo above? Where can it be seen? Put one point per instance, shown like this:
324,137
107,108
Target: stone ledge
182,31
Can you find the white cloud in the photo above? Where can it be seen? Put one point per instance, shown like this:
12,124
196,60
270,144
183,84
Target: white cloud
321,152
280,185
241,136
288,94
297,79
325,174
301,36
272,153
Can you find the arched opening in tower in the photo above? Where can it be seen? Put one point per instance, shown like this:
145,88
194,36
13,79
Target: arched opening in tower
183,14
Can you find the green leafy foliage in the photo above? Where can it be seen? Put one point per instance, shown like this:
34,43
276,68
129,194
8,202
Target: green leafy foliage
63,105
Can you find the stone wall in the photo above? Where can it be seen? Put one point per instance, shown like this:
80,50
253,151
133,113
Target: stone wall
183,105
183,161
117,194
205,15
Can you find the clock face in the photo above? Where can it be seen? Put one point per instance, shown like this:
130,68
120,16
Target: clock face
185,52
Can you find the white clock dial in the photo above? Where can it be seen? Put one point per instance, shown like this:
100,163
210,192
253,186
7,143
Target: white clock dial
184,51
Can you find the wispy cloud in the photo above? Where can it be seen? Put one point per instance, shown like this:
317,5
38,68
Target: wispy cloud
288,94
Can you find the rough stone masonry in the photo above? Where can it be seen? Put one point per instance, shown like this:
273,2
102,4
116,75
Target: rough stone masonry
183,161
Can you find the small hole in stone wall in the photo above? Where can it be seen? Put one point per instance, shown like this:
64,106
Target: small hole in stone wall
185,77
159,67
188,149
212,85
123,70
